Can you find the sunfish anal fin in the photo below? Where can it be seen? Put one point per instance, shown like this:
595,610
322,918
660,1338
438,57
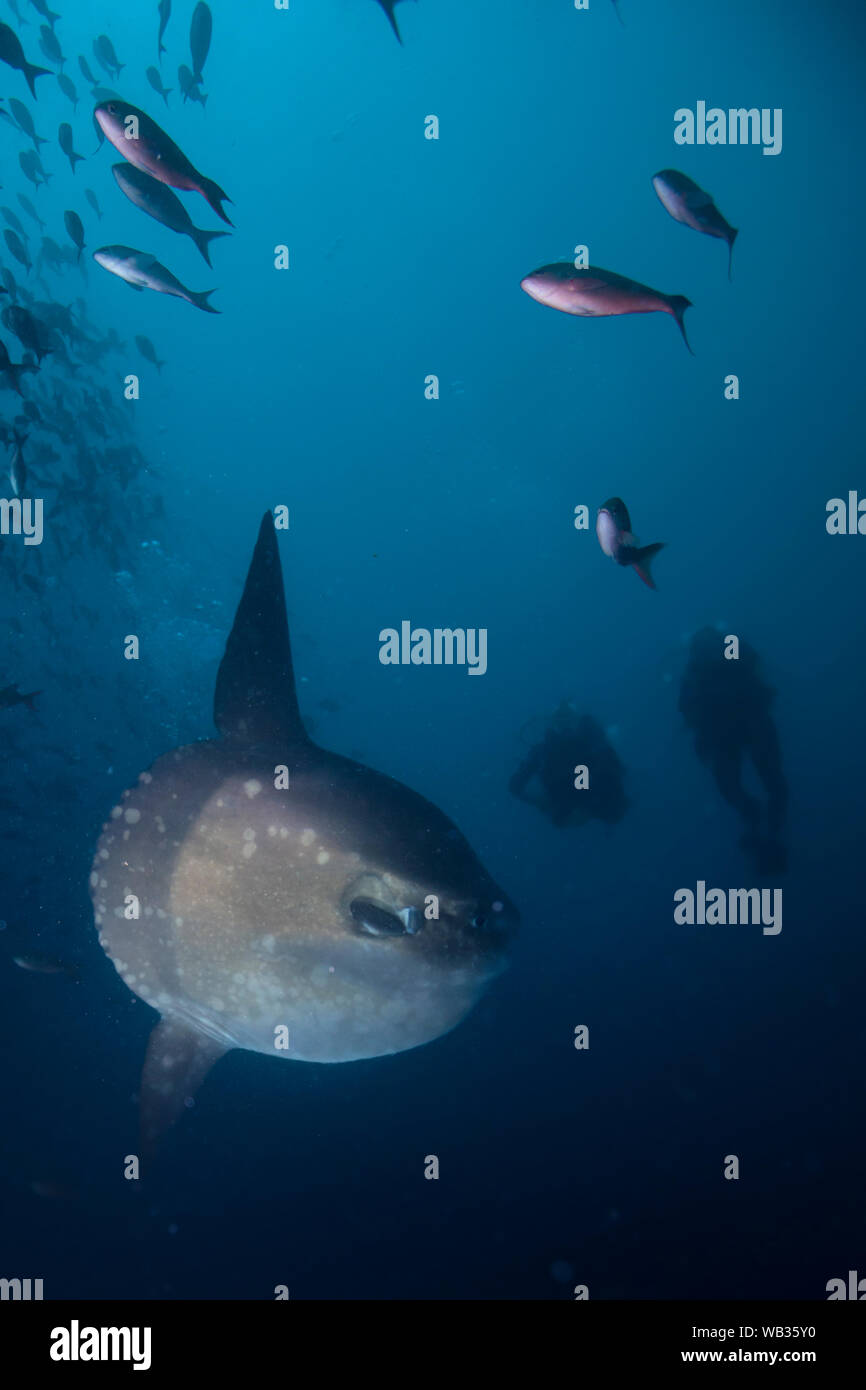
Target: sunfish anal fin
255,699
178,1059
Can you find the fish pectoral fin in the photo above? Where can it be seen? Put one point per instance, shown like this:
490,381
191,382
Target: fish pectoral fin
698,201
178,1059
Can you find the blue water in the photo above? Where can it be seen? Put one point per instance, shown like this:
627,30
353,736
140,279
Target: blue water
558,1167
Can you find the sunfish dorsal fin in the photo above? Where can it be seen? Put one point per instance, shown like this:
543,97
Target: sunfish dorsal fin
255,698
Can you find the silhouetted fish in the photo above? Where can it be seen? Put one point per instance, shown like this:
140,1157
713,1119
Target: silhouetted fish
27,329
46,965
200,31
41,7
64,136
24,122
164,11
85,71
12,53
67,87
50,46
103,51
31,166
155,79
75,228
30,209
14,221
148,351
17,247
187,84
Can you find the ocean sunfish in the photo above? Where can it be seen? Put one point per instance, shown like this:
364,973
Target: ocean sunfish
257,890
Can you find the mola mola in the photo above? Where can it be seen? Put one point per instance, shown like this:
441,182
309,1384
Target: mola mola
258,890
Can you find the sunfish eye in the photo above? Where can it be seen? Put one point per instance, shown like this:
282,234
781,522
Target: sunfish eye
478,921
375,920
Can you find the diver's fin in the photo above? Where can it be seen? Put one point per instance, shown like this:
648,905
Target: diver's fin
177,1061
642,560
255,698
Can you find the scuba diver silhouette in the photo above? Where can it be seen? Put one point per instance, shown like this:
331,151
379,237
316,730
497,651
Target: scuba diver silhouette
727,706
546,777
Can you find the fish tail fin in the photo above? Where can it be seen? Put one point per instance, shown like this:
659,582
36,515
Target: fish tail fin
203,239
28,700
388,7
162,49
75,159
40,140
200,299
731,239
165,93
31,72
203,100
215,196
678,305
176,1063
642,561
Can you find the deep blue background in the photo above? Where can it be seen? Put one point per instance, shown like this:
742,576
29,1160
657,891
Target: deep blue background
406,259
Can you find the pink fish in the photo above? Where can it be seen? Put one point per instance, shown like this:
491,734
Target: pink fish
146,146
613,528
688,203
596,293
